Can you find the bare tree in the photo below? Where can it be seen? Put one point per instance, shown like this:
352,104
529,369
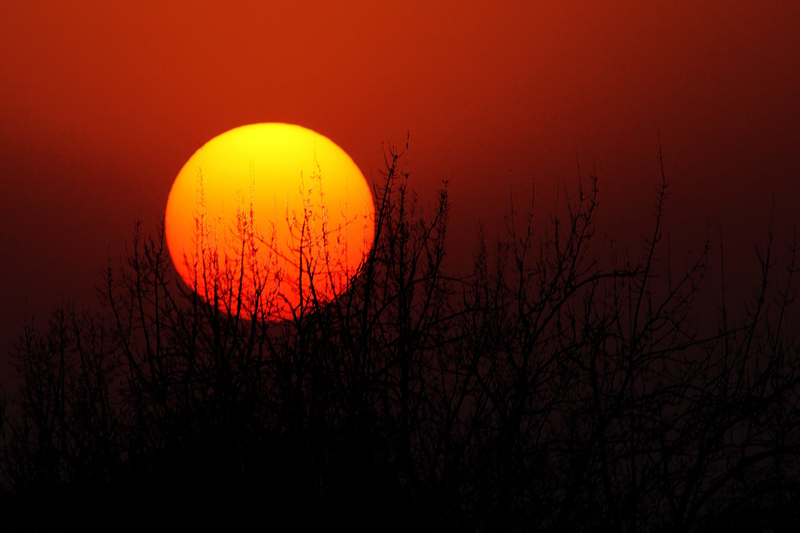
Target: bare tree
565,384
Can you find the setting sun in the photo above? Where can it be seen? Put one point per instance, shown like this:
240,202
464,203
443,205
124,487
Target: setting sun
268,218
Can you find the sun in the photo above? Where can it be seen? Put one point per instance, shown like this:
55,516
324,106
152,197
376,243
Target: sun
269,220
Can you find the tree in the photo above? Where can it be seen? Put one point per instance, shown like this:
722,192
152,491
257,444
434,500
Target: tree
565,384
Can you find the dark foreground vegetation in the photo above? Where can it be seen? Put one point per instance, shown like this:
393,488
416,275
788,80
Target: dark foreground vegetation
562,385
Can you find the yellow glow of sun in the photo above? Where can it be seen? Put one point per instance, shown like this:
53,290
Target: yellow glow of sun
268,219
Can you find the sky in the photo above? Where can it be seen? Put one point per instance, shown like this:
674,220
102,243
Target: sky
101,103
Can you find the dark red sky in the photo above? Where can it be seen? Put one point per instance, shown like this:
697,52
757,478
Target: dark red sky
102,102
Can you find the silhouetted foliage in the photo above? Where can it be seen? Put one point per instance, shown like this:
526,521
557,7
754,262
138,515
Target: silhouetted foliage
565,384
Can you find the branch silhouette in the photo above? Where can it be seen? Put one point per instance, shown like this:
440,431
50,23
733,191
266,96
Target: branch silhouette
564,384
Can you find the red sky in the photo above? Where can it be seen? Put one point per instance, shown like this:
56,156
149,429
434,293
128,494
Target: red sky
102,102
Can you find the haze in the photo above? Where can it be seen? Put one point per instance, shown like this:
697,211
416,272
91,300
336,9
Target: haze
101,104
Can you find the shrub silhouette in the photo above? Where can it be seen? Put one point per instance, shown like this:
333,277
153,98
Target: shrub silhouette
562,385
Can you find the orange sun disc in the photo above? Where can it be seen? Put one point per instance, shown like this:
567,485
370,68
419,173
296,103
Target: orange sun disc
268,219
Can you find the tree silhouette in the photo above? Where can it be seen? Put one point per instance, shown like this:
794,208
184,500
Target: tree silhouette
565,384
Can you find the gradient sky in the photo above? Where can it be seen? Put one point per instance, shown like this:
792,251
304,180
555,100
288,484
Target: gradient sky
102,102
